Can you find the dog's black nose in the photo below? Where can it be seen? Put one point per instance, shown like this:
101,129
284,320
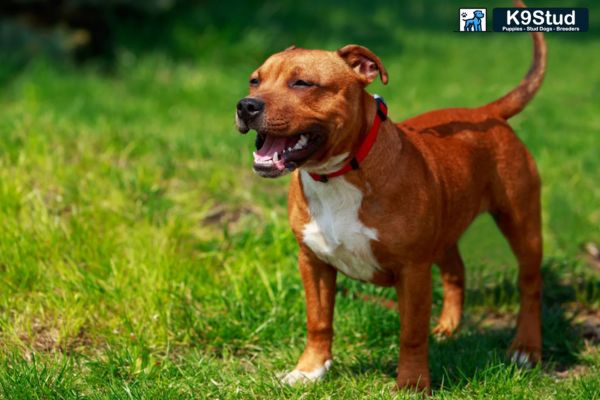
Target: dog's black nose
249,108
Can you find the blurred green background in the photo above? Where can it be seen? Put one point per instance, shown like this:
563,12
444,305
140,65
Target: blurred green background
141,257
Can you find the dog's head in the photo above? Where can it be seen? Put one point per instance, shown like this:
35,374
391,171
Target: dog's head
478,14
307,106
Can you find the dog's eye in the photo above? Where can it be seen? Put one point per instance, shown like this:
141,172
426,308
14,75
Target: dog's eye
254,82
301,83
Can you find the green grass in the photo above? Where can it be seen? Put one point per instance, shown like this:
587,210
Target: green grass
141,258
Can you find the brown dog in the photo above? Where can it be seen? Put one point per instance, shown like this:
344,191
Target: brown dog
382,202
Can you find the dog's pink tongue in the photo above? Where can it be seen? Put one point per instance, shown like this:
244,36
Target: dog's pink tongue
271,145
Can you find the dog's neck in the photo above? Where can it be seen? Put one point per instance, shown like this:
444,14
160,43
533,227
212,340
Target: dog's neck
370,115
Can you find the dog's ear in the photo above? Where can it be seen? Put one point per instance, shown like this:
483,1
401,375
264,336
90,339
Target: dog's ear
364,63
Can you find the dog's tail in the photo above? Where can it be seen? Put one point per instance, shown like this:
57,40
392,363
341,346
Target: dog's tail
514,101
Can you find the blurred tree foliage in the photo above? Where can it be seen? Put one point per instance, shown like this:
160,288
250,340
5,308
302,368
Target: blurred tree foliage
220,30
79,29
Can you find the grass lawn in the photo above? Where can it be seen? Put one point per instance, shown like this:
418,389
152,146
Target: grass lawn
140,257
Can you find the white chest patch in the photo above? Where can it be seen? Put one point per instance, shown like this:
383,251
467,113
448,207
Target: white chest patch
334,233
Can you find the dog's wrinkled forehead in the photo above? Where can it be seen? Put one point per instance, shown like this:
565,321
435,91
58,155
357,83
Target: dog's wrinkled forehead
318,66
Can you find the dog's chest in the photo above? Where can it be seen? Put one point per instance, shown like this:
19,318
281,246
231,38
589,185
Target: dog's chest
335,233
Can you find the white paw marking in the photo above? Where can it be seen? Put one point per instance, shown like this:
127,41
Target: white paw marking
297,376
521,359
335,233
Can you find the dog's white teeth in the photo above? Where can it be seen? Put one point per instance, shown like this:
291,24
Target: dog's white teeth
276,156
302,142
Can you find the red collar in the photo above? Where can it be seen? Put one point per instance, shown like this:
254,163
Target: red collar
365,146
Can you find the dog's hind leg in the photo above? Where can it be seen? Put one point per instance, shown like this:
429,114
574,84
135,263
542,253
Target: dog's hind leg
453,278
522,228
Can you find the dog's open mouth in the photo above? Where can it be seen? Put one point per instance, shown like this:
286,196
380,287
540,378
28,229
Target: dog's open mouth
276,155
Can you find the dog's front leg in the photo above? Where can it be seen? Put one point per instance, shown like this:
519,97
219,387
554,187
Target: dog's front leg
319,287
414,303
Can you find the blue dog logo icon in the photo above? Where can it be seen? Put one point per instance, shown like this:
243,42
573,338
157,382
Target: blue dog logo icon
474,24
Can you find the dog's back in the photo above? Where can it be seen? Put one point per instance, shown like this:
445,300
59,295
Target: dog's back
480,140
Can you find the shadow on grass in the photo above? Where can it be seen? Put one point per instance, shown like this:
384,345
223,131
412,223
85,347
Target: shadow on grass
455,361
458,359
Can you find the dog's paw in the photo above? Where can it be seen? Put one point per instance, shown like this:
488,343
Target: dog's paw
296,376
525,356
523,359
444,329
